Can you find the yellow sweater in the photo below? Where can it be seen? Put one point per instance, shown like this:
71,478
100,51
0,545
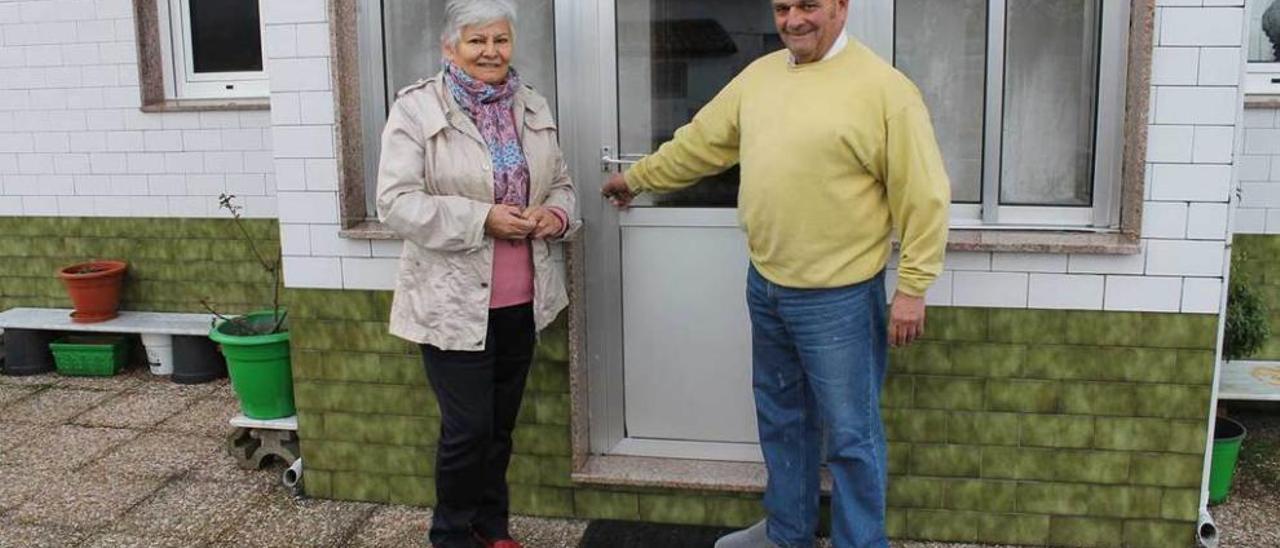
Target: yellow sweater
835,156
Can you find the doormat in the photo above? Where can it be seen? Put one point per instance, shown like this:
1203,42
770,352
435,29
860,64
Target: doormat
630,534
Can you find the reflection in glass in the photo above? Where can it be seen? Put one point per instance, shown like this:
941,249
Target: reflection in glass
1264,30
941,45
673,57
225,36
1051,77
411,37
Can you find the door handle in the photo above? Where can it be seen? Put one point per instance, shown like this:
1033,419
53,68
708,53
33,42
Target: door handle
607,160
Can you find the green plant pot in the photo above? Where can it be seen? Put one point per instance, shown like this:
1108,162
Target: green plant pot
259,367
1227,435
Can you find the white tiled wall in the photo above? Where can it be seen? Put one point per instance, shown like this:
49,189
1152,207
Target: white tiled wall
1259,171
1195,107
73,141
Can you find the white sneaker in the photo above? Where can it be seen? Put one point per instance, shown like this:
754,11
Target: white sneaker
756,536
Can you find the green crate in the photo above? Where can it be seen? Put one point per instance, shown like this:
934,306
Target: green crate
89,355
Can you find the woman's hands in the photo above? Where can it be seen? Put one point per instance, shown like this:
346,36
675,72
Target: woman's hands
546,223
507,222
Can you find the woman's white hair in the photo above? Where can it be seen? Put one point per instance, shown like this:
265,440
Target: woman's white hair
470,13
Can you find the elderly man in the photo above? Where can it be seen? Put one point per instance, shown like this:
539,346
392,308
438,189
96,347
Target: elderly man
837,154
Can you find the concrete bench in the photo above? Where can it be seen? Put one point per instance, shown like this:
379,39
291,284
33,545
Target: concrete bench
1250,381
28,332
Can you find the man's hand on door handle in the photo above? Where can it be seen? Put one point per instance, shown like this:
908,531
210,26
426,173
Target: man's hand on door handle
617,191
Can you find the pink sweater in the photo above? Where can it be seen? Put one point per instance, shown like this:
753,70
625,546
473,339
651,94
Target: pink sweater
513,269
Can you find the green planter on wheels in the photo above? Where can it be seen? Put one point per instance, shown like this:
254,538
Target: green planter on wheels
258,364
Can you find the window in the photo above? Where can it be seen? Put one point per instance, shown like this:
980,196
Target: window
212,49
399,43
1263,44
1027,99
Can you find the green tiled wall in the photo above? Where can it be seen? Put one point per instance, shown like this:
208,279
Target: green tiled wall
1005,426
1257,257
173,263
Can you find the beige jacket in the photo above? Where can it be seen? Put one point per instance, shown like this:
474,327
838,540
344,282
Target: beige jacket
435,189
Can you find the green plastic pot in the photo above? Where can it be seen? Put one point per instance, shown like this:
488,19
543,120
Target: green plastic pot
1227,435
259,368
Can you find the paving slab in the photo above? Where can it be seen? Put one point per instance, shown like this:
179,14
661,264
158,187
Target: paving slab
45,379
135,409
54,405
284,522
11,393
157,455
164,386
83,502
394,526
205,417
39,536
222,468
198,510
64,448
16,434
19,485
549,533
123,540
127,378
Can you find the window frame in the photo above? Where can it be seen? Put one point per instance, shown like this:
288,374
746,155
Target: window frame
877,28
180,79
1261,78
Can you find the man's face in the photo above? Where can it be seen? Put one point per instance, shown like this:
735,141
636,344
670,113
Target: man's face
809,27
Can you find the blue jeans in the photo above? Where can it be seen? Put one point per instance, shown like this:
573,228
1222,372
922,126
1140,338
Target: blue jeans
819,358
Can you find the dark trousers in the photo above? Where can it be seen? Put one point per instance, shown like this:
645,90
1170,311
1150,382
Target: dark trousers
479,395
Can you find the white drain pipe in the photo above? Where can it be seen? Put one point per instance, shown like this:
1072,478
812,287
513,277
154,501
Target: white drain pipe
292,477
1206,529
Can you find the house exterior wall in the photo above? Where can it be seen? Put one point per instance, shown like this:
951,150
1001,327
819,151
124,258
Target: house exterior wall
1005,425
173,263
1259,173
1256,245
73,142
1057,398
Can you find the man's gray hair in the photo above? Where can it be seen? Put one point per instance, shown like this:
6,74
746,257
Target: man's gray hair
470,13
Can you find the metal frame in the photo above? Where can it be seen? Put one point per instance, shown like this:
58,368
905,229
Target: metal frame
585,56
182,82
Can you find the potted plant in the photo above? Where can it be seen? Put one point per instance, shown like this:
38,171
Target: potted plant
94,287
256,344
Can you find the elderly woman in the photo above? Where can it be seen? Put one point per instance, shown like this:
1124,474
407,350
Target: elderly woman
473,179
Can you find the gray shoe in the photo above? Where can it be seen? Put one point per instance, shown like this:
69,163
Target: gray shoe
756,536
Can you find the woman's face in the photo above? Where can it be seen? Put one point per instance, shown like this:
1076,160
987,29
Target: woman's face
484,52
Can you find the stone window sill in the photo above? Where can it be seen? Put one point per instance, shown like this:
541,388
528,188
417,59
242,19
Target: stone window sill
1259,100
1022,241
368,230
208,105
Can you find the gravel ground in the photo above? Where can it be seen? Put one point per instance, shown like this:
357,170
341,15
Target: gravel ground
1251,515
137,461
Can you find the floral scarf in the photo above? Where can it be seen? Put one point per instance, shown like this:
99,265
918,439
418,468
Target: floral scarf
491,109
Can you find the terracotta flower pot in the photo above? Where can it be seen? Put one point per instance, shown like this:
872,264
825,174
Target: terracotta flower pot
95,289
